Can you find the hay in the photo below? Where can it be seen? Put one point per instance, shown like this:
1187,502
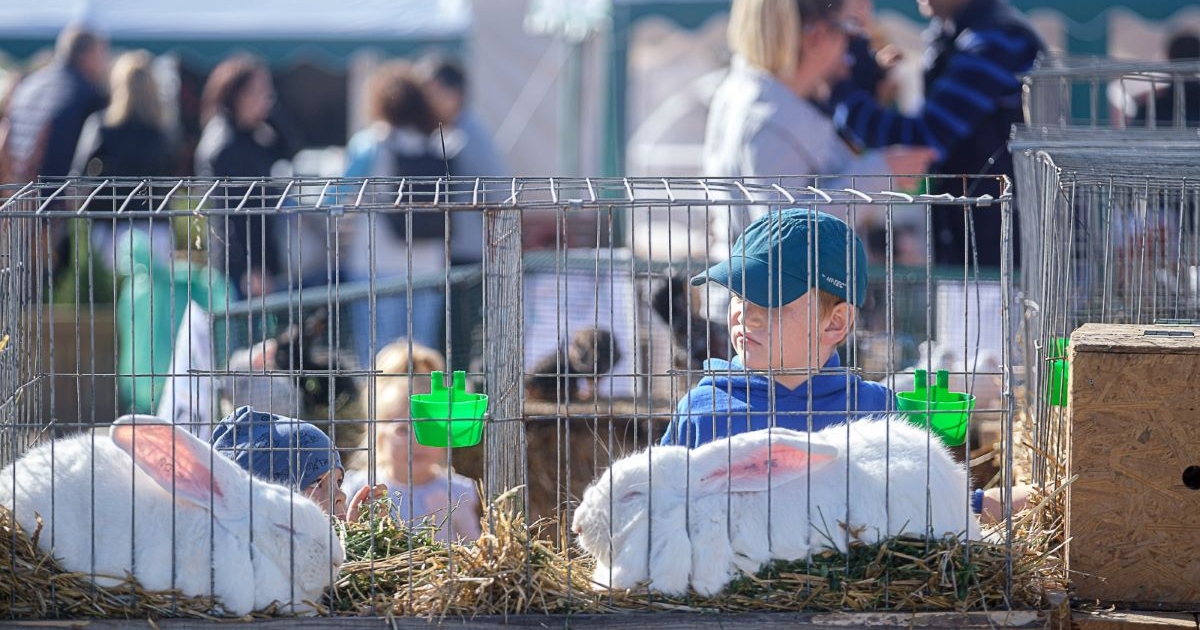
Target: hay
36,588
511,569
514,569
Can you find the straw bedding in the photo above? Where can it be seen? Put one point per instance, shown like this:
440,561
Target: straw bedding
513,569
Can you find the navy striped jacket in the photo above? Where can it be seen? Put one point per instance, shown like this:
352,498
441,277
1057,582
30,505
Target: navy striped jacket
972,92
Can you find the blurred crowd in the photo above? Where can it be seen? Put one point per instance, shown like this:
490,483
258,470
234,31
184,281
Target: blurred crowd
84,114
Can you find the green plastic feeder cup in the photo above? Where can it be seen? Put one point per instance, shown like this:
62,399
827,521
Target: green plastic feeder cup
1056,392
940,409
448,417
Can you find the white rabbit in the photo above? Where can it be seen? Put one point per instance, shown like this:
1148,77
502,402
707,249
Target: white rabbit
153,500
677,518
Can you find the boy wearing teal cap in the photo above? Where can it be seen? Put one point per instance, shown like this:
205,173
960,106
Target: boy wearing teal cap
797,277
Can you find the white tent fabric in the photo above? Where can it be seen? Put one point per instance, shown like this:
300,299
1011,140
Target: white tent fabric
261,19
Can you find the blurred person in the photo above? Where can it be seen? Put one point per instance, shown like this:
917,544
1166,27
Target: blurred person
977,52
872,57
128,139
401,140
1181,46
418,479
238,140
444,81
45,115
763,123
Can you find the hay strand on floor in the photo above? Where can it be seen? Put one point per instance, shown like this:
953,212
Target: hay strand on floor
513,568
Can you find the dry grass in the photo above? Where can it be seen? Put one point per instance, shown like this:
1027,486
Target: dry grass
514,569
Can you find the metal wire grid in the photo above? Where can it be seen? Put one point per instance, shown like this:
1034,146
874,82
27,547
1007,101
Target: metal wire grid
592,226
1114,238
1099,92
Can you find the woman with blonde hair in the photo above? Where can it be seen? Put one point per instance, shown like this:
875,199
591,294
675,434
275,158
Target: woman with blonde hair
423,489
128,139
763,123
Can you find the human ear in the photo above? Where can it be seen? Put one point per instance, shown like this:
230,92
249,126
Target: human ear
837,324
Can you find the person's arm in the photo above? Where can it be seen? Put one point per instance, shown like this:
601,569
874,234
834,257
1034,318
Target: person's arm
360,156
985,68
465,515
692,423
88,147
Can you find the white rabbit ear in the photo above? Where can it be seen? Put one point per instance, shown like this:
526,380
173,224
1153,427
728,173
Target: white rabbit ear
176,460
755,465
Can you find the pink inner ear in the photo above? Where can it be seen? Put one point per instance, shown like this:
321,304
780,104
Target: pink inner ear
753,469
150,446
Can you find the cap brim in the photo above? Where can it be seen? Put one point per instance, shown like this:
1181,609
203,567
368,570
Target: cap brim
749,278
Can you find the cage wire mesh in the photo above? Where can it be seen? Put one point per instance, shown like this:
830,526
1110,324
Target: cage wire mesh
576,316
1113,240
1073,91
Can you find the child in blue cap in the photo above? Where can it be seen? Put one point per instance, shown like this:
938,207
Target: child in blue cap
797,277
288,452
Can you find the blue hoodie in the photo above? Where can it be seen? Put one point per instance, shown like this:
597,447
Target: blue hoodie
731,400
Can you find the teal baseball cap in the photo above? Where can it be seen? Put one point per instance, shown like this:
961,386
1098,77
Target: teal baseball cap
781,255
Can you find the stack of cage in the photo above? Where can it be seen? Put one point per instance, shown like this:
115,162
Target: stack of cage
1107,192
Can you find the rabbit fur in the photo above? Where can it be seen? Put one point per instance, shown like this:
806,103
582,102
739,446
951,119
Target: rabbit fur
246,542
673,517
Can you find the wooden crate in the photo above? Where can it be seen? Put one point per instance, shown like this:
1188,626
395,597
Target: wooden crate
1133,512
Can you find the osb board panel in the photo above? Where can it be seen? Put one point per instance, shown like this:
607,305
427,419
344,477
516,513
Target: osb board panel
1132,338
1135,427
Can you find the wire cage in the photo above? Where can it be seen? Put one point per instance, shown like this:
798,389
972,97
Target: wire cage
1112,240
575,315
1070,91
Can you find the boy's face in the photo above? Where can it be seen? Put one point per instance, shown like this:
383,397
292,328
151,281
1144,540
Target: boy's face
777,338
319,492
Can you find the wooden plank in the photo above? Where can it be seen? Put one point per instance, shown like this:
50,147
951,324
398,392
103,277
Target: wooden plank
1127,620
1132,338
634,621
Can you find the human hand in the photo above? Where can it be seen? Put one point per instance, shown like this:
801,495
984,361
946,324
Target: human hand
367,495
256,283
907,163
993,504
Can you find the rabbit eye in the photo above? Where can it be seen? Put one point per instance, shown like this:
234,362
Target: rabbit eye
632,494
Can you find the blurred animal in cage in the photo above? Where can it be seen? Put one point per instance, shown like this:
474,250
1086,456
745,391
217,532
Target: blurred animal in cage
558,376
878,353
696,337
1181,289
681,518
306,349
294,373
566,452
1145,243
255,380
190,508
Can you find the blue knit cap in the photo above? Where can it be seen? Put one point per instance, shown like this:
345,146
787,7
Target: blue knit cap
289,452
